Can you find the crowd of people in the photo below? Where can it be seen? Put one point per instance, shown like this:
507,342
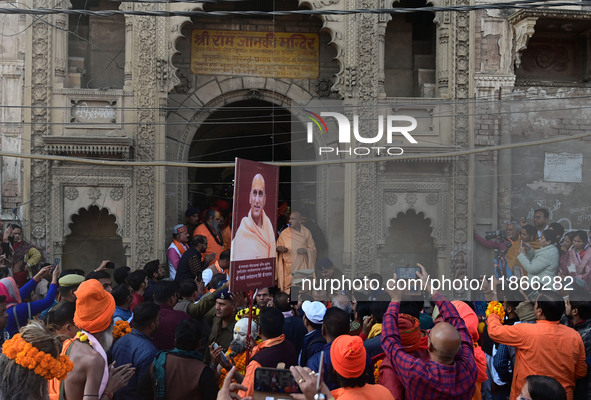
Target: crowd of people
173,330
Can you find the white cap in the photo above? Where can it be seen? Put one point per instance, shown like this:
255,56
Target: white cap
314,311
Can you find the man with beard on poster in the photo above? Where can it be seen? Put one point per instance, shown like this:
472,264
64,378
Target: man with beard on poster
255,237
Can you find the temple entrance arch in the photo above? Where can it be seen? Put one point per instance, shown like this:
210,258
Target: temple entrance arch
252,129
93,238
256,126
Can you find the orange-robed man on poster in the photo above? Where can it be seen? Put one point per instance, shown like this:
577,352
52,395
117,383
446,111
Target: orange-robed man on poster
255,237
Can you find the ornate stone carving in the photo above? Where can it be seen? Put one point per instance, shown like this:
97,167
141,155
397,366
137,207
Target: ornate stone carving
523,31
145,34
41,63
390,198
460,167
349,80
108,178
184,85
411,199
323,87
71,193
162,70
438,213
116,194
94,194
254,94
432,199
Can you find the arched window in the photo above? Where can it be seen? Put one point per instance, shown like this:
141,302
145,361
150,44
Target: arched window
409,56
96,47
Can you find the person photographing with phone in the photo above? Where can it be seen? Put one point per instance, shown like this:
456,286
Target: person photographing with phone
18,312
451,371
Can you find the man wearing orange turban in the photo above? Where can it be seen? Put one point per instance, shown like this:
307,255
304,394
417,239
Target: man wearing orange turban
348,357
90,377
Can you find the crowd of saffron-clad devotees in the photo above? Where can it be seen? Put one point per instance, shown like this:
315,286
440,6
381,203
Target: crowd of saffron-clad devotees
173,330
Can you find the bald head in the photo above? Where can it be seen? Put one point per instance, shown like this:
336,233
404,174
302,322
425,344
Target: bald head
257,199
341,301
295,220
444,343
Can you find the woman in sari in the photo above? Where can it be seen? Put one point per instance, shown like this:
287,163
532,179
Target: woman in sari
24,256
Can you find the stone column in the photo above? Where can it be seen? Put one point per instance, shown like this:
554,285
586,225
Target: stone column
148,137
462,167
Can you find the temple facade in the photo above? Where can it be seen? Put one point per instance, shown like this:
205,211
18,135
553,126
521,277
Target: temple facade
152,89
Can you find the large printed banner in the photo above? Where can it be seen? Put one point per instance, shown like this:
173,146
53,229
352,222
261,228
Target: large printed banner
254,220
266,54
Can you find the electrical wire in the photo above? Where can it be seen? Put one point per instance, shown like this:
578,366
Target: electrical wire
521,4
421,156
514,97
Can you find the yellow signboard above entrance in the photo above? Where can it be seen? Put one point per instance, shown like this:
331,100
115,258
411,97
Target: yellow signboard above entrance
266,54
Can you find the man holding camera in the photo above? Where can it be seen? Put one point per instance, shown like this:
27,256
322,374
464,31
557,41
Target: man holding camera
503,241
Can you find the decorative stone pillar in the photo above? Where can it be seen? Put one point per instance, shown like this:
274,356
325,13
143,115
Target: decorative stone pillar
149,123
365,41
38,78
462,166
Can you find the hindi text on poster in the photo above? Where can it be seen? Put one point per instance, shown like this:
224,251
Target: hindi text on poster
266,54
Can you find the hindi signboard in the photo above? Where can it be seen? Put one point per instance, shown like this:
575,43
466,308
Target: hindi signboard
563,167
246,53
254,220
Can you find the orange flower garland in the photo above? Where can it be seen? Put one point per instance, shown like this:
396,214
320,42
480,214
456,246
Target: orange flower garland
376,370
28,356
121,329
239,361
494,307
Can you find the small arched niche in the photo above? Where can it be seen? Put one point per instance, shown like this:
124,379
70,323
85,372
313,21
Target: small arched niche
410,241
93,238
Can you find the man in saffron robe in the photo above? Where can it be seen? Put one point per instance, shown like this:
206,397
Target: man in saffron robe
211,229
295,251
255,237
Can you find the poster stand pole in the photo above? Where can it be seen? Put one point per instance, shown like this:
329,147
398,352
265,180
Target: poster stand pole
250,298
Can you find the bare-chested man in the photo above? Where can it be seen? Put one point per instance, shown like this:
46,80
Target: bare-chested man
92,378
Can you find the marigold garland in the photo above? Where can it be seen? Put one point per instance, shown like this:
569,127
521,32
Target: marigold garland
28,356
244,313
376,370
83,337
494,307
239,361
121,329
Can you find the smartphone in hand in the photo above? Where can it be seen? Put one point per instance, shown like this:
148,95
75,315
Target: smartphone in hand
56,261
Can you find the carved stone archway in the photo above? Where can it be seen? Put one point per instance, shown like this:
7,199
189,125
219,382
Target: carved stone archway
107,189
409,241
94,237
432,198
284,95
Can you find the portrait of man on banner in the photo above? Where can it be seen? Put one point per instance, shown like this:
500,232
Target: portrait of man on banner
255,236
254,242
